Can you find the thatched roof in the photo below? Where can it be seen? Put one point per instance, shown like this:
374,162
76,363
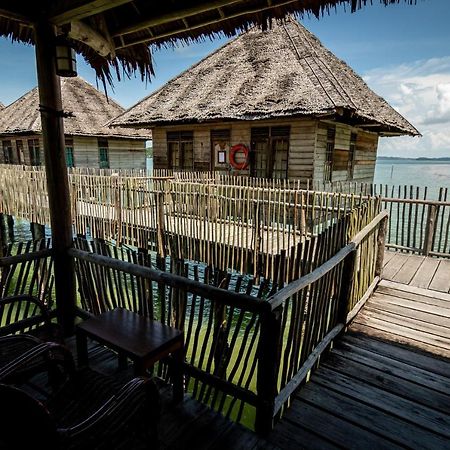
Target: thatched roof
90,108
282,72
115,34
1,106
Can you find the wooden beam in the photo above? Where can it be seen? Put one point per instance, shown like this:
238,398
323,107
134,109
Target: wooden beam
174,15
13,15
56,171
81,32
81,9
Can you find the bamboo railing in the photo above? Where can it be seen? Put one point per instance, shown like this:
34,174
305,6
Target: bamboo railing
125,207
27,268
248,346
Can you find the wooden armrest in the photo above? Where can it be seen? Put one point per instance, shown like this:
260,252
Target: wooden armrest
45,354
138,399
29,311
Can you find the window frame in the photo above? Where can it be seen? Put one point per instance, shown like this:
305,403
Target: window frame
103,149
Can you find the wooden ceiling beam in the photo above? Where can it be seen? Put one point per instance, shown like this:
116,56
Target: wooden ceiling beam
81,9
12,15
171,16
173,33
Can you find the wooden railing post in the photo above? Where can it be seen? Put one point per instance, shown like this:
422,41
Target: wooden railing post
381,241
429,230
160,223
268,363
348,276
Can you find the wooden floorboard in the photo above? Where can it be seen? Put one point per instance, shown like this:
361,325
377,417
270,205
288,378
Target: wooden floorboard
441,278
408,269
423,277
419,271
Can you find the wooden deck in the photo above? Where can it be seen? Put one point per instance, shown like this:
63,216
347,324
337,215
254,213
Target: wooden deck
385,384
417,271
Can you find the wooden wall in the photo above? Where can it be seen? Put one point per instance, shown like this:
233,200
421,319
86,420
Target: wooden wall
365,155
123,153
306,146
301,150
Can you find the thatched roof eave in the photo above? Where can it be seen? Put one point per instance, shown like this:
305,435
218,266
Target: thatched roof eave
121,31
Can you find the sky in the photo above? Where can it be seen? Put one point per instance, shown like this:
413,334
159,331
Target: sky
401,51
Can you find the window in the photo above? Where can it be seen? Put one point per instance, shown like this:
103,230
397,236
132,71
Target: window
19,150
69,152
329,150
35,152
270,149
220,144
7,152
180,149
103,154
351,157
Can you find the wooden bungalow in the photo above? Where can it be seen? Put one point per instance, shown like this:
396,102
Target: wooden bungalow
89,142
298,110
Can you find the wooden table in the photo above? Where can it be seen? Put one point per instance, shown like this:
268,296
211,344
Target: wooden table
132,336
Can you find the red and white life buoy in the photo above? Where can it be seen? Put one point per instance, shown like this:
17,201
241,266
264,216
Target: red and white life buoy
239,148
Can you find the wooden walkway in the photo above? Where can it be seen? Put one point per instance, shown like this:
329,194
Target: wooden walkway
385,384
417,271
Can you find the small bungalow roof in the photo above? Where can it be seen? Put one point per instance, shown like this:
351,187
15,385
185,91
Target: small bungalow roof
2,106
282,72
90,111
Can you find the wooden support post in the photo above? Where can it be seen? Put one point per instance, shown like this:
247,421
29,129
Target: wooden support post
381,240
429,230
257,246
268,364
348,276
56,171
10,223
3,240
160,224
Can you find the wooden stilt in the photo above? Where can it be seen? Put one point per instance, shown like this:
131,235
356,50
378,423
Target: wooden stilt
56,170
10,223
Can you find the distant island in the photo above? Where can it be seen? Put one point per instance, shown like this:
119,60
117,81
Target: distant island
420,158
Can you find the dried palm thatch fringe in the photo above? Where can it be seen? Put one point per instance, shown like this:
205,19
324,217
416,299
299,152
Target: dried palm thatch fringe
90,112
132,26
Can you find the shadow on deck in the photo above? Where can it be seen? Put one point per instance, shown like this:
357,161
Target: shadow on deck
385,384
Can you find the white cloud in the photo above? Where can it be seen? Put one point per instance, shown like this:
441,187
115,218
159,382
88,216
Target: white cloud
420,91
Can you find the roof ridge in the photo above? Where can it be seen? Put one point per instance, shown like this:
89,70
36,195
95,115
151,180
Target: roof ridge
303,58
321,61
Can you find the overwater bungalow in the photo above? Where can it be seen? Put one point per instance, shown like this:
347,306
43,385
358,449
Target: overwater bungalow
275,104
299,357
88,140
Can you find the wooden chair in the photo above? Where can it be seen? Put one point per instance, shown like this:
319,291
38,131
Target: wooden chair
25,323
87,410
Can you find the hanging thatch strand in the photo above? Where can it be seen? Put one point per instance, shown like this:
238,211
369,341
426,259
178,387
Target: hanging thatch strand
86,109
130,26
282,72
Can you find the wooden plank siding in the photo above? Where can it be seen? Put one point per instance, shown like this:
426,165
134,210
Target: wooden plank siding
307,144
123,153
365,154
